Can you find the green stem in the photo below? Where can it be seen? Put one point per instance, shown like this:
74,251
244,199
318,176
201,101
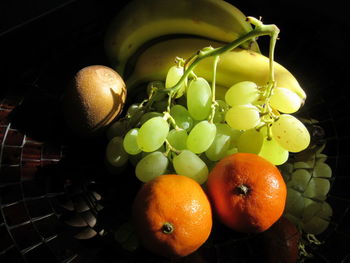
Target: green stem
168,117
273,41
259,30
170,148
169,103
272,82
213,89
143,107
188,61
167,228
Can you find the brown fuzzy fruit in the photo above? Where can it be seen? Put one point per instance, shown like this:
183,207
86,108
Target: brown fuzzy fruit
96,97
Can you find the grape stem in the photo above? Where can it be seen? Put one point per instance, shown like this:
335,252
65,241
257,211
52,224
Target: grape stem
131,121
213,84
260,29
167,117
179,61
170,148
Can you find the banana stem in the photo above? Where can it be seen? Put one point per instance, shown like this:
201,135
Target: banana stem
259,30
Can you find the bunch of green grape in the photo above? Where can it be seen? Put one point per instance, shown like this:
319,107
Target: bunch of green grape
308,183
269,129
189,129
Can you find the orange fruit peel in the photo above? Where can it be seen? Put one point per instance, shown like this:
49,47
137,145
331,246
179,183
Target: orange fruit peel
172,215
247,192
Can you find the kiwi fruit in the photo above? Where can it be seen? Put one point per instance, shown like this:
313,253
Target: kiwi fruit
95,97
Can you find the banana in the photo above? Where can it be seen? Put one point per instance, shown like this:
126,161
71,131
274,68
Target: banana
141,21
234,66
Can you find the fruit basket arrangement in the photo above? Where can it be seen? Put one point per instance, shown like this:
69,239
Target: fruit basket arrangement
149,131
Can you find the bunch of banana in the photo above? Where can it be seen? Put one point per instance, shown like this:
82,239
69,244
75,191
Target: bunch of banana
143,22
146,37
235,66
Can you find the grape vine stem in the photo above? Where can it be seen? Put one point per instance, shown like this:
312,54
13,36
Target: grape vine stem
213,87
259,29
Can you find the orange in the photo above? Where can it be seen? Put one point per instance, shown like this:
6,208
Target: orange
247,192
172,215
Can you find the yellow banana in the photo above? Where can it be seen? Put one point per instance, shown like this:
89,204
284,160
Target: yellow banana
142,21
234,66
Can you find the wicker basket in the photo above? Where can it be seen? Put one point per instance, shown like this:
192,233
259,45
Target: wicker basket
59,203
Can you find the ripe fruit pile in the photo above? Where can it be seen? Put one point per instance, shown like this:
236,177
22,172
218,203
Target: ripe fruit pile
215,113
186,129
208,104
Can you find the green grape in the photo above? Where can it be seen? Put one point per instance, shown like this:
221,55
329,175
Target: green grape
199,99
151,166
115,153
220,111
295,203
221,144
152,134
177,139
290,133
157,86
173,76
181,116
210,164
117,129
285,100
273,152
189,164
250,141
149,115
181,101
160,106
130,142
201,137
232,150
300,179
322,170
317,188
160,149
134,159
235,134
133,109
241,93
243,117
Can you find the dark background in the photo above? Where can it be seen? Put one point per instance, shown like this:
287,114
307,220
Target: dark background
312,40
43,43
